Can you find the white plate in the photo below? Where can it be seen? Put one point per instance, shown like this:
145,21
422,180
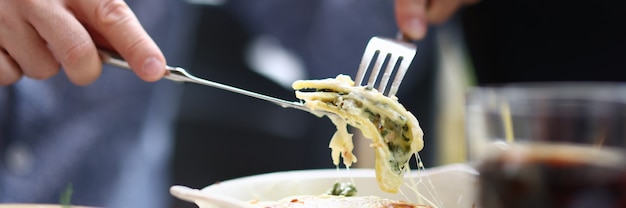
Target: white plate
450,186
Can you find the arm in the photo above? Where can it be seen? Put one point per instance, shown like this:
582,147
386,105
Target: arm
36,37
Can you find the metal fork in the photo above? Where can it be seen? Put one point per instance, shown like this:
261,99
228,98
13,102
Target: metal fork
179,74
390,54
398,51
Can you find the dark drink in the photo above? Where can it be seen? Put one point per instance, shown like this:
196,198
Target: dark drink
553,176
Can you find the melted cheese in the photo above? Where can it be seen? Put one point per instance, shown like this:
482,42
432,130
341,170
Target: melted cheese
394,132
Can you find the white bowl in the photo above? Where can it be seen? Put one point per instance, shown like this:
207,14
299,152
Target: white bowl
449,186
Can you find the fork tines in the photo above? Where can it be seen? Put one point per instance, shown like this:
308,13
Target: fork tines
393,55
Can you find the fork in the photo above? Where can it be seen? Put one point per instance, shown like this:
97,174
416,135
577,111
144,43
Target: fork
390,54
399,52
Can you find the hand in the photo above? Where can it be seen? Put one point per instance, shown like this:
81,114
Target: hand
414,16
38,36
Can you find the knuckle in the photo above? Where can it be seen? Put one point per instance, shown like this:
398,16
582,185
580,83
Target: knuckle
137,45
112,11
75,53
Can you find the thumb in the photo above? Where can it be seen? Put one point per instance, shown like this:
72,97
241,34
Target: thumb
114,21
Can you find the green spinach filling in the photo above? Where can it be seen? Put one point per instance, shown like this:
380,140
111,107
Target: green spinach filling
342,189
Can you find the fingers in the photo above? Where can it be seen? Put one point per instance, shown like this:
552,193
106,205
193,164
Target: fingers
33,57
35,36
68,40
114,20
22,51
9,71
411,18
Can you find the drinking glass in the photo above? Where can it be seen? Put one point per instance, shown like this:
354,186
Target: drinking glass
549,144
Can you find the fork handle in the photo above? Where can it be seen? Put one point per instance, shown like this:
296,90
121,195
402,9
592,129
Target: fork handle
114,59
181,75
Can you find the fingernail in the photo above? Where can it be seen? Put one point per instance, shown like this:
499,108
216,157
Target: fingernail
415,29
152,69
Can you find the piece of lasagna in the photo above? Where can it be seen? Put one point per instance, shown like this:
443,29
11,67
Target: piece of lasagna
395,132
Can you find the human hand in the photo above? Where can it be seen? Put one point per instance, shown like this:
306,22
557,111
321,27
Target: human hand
37,37
414,16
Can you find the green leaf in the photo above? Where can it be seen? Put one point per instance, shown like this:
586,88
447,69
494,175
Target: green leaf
66,196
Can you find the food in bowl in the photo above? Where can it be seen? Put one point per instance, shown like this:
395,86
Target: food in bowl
450,186
311,201
395,132
341,194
